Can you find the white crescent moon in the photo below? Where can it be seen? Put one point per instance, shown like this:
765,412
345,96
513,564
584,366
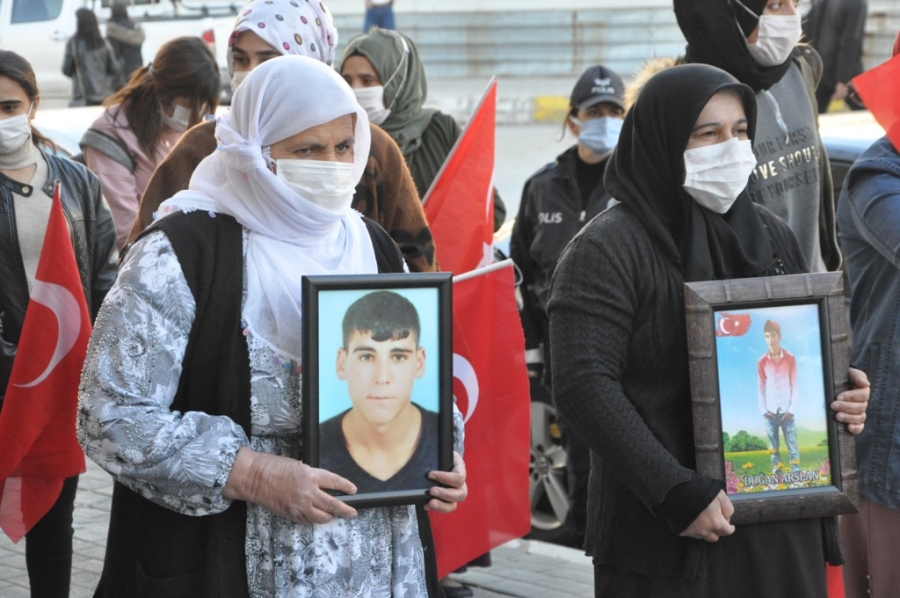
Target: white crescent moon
464,371
721,326
64,306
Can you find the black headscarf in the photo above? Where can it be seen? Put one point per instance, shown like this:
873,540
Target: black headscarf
716,32
646,173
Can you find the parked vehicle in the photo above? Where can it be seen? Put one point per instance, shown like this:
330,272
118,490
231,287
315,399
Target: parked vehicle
39,30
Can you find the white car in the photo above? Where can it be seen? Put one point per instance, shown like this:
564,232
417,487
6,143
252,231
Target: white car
65,126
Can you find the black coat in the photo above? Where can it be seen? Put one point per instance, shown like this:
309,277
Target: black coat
551,212
620,376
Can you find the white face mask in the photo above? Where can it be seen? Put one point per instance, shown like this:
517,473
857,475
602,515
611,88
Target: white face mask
325,183
180,119
237,78
778,34
716,174
372,101
599,135
14,132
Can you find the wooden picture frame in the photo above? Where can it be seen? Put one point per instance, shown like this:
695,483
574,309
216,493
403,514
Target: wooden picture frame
729,326
377,382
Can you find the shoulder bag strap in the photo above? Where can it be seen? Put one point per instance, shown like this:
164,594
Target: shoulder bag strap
78,69
109,145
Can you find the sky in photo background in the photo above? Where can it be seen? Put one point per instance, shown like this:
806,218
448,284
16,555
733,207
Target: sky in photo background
333,304
737,358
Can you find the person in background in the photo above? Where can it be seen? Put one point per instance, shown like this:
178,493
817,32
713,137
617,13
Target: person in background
620,365
385,71
90,62
836,29
869,224
143,120
557,201
27,177
269,28
126,38
379,13
201,426
756,41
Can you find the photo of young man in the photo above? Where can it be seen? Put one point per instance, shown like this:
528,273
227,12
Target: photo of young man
777,396
384,441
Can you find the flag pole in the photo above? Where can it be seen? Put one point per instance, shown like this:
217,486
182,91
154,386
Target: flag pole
483,270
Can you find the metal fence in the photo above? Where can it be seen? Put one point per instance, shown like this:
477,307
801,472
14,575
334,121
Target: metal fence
564,42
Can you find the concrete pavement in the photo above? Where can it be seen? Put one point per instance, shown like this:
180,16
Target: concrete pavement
522,568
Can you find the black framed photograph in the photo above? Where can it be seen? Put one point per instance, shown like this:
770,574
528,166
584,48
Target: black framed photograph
378,382
767,358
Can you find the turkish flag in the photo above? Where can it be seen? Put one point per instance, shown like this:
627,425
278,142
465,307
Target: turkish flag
732,324
879,89
491,390
38,448
459,205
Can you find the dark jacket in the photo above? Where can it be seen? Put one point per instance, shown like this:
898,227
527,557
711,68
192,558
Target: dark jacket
126,39
93,239
155,552
95,72
621,378
836,29
551,212
869,224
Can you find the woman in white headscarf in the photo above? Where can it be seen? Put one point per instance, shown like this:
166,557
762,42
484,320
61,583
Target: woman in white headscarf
190,396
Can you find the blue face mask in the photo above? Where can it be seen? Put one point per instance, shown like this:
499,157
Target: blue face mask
599,135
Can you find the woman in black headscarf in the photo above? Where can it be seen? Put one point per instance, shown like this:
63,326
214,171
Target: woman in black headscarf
620,367
756,41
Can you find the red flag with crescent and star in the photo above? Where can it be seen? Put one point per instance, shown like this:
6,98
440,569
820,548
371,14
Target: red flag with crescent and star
459,205
38,448
490,385
732,324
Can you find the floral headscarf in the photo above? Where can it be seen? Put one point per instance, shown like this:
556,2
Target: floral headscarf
301,27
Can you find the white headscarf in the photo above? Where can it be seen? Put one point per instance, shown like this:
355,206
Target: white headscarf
289,236
296,27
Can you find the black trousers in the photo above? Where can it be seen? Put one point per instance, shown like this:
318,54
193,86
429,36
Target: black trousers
48,547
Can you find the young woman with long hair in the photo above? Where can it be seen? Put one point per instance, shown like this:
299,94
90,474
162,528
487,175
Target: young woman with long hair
146,118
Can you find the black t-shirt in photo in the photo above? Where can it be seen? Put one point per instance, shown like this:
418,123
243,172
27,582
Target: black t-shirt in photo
334,457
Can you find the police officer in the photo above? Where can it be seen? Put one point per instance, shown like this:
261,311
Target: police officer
557,201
